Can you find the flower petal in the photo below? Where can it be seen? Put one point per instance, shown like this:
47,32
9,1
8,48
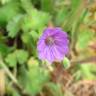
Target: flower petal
58,49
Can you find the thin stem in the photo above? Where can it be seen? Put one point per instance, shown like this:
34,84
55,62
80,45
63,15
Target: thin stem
15,82
91,59
85,60
8,71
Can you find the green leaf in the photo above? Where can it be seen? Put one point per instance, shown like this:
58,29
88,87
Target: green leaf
14,26
27,5
86,72
37,79
61,13
34,79
23,76
32,62
3,49
55,89
34,34
47,5
4,1
30,42
75,4
11,60
26,38
84,37
8,11
21,56
35,20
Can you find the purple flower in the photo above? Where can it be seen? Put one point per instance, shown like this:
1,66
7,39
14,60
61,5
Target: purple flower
53,44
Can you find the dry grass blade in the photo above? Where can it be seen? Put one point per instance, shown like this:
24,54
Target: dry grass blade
83,88
2,82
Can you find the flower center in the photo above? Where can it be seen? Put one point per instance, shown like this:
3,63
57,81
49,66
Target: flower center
49,41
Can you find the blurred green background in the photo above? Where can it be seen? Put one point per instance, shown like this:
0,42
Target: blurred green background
22,23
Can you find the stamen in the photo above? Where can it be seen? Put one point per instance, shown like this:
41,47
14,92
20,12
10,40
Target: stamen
49,41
